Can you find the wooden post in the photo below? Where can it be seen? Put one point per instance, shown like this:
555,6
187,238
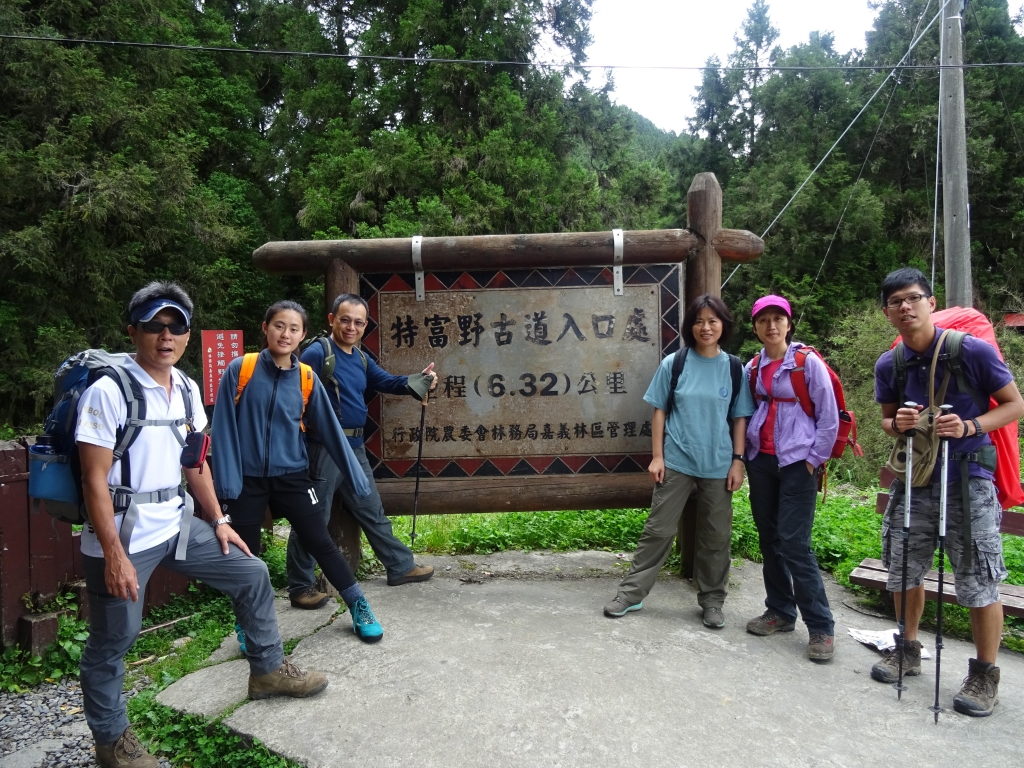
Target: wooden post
340,278
956,224
703,275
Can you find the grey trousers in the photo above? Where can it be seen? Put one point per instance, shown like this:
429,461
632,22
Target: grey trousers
714,538
368,511
114,623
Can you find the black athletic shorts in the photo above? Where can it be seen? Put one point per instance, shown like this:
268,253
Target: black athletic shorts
292,496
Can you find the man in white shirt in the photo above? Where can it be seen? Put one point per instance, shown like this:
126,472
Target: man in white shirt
140,517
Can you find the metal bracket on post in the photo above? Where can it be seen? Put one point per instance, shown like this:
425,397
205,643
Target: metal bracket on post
617,261
417,265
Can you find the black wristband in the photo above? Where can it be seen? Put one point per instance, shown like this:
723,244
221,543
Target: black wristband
737,457
962,436
977,427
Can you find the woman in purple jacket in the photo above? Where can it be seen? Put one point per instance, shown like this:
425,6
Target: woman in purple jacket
786,449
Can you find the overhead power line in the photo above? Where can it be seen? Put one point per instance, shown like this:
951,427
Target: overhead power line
492,62
863,109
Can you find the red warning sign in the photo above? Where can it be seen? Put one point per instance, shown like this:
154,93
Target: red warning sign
219,349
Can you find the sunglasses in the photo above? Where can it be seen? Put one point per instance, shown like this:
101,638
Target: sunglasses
155,326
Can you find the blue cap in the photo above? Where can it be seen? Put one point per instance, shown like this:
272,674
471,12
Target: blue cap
145,311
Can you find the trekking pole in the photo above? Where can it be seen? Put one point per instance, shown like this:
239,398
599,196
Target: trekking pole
944,478
419,463
902,624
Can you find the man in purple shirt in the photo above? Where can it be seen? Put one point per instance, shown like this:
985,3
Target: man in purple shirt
908,303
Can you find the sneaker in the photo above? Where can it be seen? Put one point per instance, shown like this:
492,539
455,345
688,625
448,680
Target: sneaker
309,599
980,692
887,669
364,623
286,680
418,573
126,751
240,634
768,623
620,607
821,647
713,617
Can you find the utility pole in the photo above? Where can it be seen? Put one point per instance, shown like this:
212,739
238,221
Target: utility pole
956,224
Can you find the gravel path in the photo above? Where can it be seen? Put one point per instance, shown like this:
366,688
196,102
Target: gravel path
46,727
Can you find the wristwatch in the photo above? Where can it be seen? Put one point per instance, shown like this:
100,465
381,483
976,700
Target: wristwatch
737,457
222,520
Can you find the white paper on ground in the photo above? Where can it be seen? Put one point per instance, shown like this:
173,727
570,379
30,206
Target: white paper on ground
883,640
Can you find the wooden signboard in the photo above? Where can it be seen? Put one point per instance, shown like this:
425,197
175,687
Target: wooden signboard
542,378
545,344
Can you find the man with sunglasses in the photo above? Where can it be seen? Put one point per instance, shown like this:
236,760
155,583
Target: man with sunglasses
118,564
977,562
353,374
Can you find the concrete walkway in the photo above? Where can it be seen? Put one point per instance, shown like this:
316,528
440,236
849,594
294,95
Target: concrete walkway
520,668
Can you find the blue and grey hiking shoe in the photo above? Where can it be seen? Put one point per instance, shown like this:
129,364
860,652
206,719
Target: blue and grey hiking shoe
240,634
364,623
620,607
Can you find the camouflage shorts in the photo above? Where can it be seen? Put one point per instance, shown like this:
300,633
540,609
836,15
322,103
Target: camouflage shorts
974,589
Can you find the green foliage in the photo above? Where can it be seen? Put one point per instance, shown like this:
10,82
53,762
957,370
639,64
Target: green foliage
19,670
275,555
194,740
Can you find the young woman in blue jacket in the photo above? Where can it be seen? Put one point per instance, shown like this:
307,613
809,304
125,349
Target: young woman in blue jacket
260,458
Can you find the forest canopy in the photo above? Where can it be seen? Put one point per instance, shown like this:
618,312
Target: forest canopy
120,165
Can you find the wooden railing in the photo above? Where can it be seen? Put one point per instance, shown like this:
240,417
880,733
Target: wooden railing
39,556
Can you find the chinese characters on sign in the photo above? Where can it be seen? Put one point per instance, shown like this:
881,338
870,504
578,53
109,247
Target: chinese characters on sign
523,371
219,349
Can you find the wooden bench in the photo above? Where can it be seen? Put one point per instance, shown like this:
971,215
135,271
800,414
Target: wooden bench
873,575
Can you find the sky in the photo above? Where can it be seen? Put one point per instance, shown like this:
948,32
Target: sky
687,32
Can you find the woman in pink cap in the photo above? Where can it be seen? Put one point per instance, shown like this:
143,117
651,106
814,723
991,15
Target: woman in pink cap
786,448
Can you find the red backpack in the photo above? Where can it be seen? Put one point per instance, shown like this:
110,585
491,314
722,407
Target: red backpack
847,435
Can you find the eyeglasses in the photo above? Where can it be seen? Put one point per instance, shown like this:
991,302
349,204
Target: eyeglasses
911,299
354,323
155,326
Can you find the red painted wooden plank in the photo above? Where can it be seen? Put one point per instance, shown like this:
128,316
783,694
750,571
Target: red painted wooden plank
76,556
1013,522
44,554
14,539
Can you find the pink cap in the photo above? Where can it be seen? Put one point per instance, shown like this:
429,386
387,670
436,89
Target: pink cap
771,301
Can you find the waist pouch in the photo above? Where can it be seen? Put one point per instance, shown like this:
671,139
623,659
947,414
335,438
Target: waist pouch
193,454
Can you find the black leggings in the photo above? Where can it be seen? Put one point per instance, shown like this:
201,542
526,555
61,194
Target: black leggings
312,532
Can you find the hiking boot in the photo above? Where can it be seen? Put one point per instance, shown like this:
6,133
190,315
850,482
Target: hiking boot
620,607
240,634
418,573
821,647
364,623
980,692
309,599
126,751
768,623
887,670
713,617
286,680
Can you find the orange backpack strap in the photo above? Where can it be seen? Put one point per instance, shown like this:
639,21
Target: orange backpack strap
307,375
248,368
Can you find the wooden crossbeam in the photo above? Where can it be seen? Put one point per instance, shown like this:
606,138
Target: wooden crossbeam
536,251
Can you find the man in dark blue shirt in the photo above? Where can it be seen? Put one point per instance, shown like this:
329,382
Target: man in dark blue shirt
354,373
974,549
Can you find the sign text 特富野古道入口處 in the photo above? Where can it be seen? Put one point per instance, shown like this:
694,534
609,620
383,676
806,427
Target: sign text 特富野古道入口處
523,371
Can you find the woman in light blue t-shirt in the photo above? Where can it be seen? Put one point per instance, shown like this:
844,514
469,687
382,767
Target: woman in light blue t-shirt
697,441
